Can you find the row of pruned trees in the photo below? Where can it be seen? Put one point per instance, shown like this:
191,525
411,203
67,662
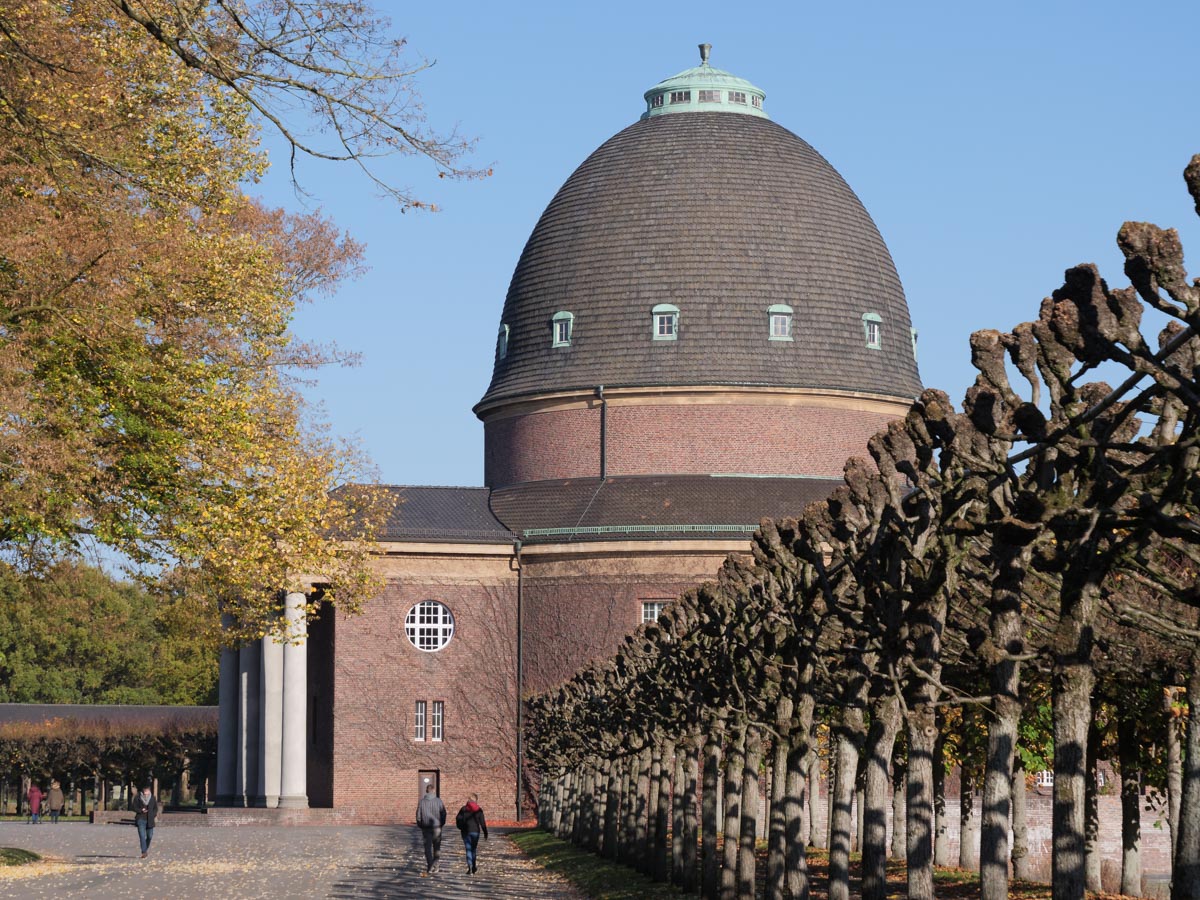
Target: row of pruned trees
1050,524
77,752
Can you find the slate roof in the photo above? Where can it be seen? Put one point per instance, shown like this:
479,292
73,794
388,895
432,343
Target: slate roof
652,507
135,716
721,216
443,515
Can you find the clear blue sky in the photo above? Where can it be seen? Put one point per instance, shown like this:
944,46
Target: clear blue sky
994,145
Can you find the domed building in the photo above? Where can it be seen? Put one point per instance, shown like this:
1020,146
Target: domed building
703,326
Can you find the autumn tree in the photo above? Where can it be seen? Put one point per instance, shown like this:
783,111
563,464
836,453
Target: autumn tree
146,361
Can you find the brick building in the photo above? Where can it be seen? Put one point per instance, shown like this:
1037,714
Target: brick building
703,326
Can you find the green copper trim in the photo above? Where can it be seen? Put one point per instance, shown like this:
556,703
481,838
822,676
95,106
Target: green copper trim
556,328
873,342
667,332
704,89
640,529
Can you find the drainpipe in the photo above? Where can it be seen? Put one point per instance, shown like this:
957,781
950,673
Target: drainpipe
603,432
520,664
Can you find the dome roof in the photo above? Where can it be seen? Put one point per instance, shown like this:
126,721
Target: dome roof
722,217
706,88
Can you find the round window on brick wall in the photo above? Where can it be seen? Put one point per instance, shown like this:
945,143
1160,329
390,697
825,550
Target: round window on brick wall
429,626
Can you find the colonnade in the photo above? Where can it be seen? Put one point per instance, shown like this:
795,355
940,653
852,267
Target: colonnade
262,740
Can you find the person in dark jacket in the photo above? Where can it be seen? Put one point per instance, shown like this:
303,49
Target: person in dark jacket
145,812
431,816
470,822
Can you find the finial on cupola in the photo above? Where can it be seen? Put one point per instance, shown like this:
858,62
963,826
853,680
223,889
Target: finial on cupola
705,49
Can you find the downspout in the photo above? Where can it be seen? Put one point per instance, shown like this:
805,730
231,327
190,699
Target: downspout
520,679
603,432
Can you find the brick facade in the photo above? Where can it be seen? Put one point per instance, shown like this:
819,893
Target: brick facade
683,439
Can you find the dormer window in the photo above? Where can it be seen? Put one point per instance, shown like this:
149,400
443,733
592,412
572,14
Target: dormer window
873,331
913,334
656,101
737,97
710,96
560,329
681,96
502,342
779,321
665,319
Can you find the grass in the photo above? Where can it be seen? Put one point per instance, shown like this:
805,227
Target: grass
605,880
14,856
599,878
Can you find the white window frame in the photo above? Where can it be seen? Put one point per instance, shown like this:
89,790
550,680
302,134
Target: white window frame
656,101
562,327
710,97
681,97
756,101
664,322
652,609
737,97
437,721
1044,778
873,331
429,626
419,721
779,313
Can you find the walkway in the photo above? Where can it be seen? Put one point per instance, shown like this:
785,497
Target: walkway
195,862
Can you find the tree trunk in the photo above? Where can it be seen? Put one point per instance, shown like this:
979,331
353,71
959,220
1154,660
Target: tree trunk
918,806
710,863
941,833
678,801
881,742
662,814
899,770
580,803
1072,681
817,836
830,780
625,841
1174,764
641,846
650,863
968,818
690,822
749,825
1091,834
1021,869
846,744
782,804
612,810
1185,882
735,770
787,863
1128,745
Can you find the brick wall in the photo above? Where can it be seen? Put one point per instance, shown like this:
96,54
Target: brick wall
691,439
379,675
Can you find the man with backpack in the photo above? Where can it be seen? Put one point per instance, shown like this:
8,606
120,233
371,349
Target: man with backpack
470,822
431,816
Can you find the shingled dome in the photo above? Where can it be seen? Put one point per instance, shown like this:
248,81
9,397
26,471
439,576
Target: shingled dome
723,218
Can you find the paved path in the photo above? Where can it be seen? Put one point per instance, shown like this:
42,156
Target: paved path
196,862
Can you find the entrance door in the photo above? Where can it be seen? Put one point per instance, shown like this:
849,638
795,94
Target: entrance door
425,778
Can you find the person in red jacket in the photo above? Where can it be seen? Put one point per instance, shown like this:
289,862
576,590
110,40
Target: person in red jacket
470,822
35,796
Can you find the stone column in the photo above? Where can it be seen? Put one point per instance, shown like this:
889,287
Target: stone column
271,723
249,688
293,791
227,726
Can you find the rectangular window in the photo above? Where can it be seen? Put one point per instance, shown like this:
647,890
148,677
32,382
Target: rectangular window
435,722
737,97
681,96
652,609
1045,779
419,722
756,102
710,96
781,325
562,331
874,335
665,326
656,101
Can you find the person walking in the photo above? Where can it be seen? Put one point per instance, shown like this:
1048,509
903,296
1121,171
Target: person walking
145,812
470,822
431,817
35,797
55,801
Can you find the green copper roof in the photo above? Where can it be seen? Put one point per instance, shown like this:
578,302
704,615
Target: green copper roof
704,89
